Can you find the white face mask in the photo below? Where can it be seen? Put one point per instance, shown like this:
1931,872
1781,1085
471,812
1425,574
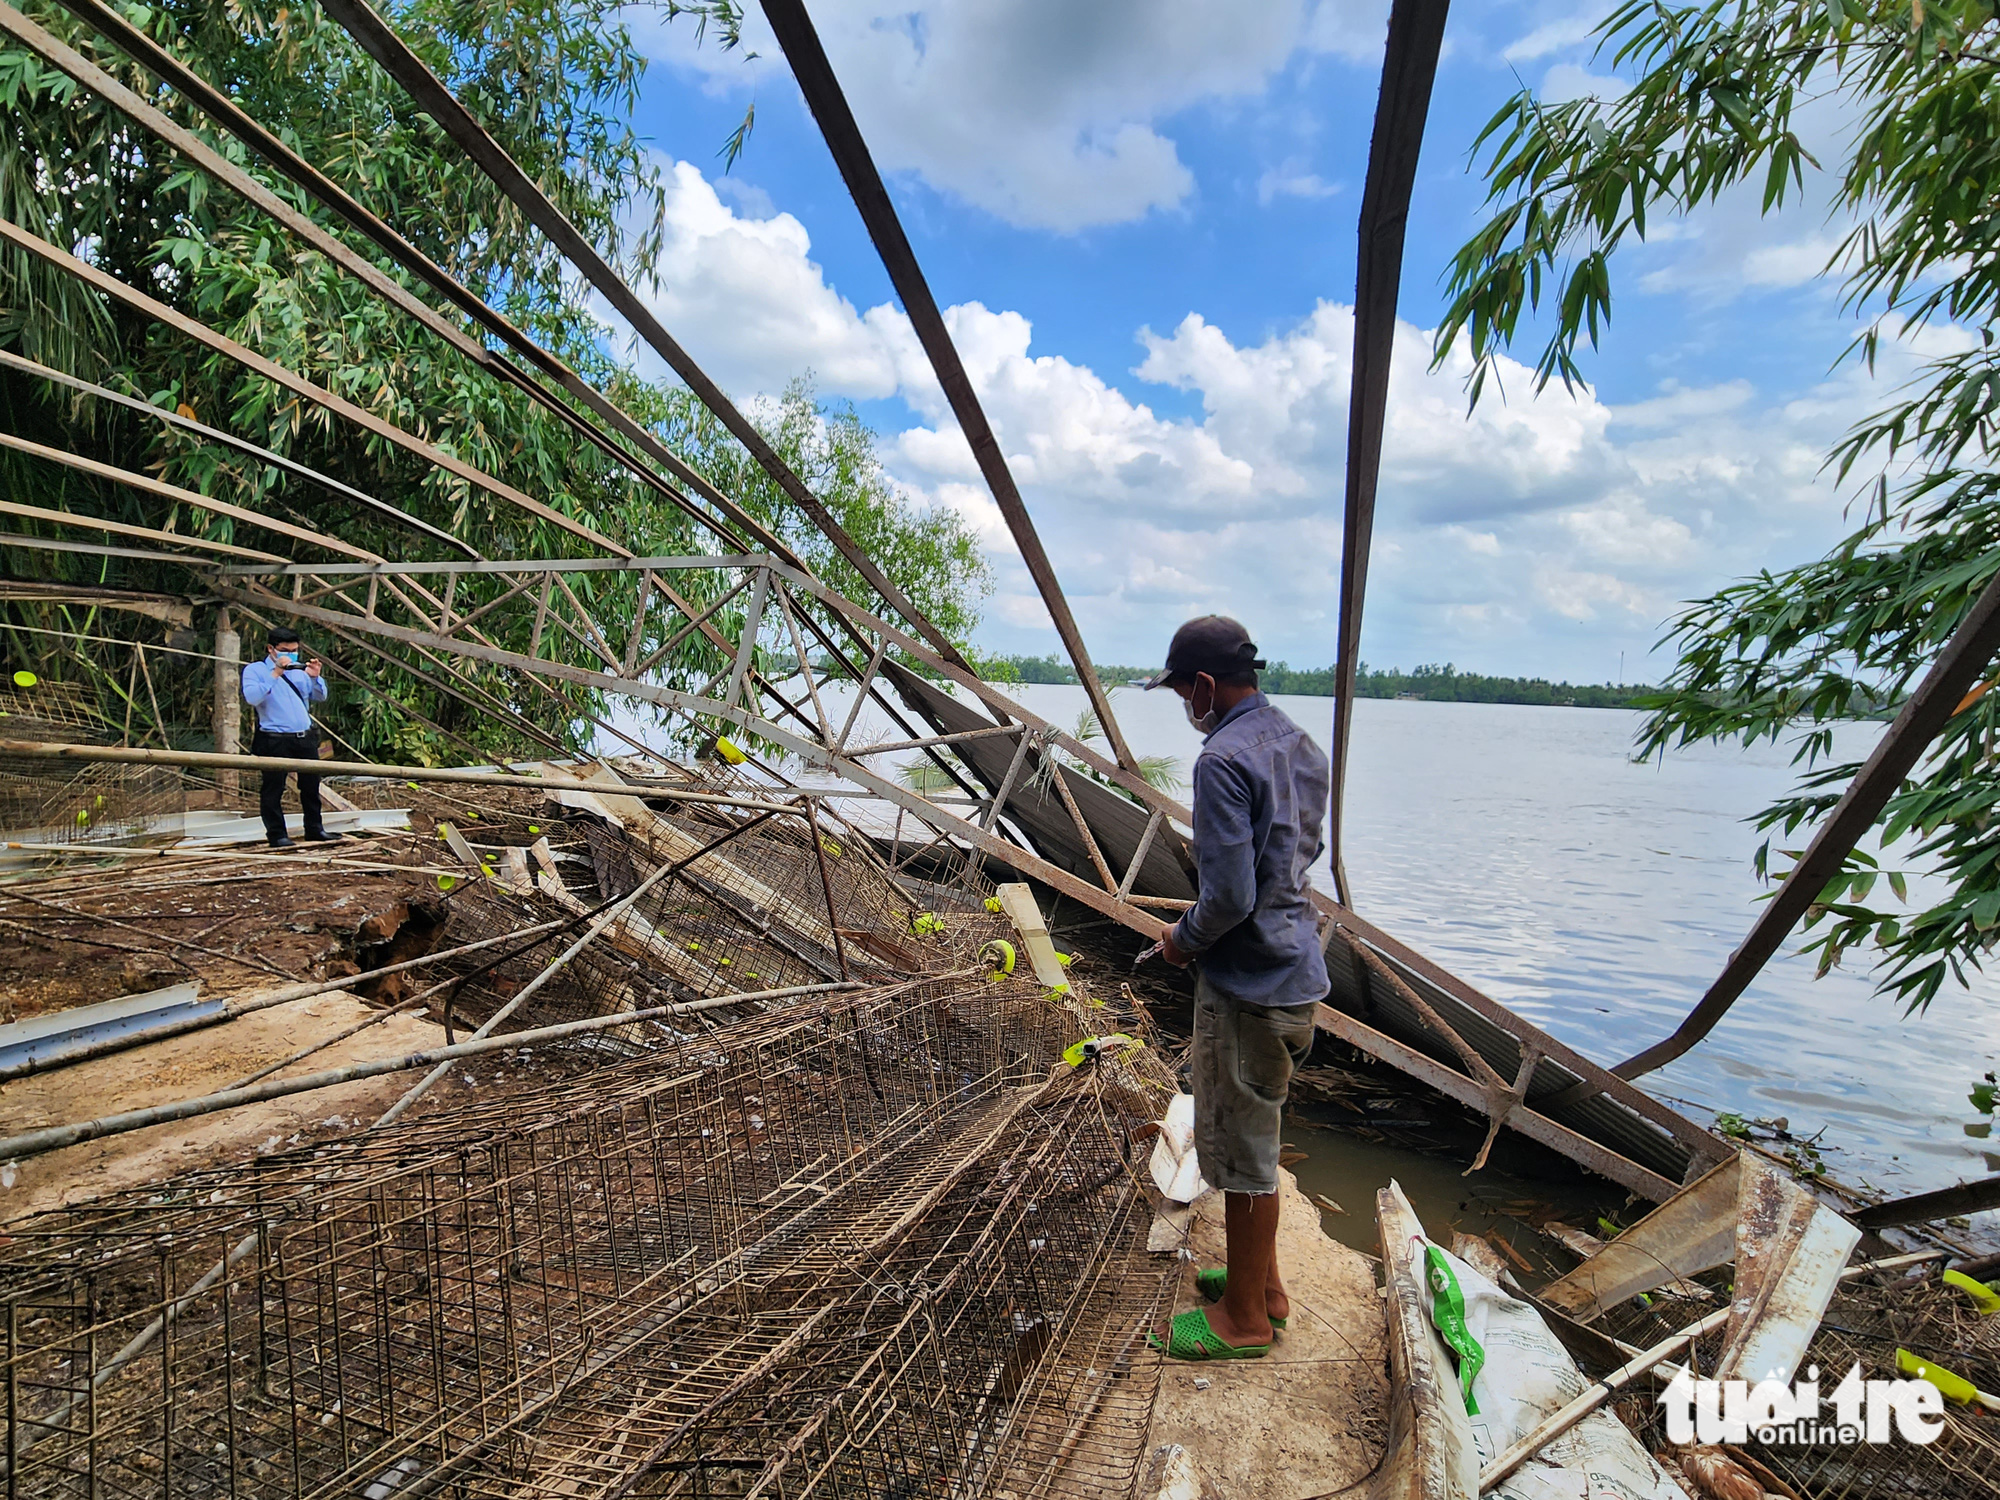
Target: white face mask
1203,723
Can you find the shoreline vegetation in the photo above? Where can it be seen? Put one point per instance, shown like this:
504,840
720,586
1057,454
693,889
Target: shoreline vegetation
1430,684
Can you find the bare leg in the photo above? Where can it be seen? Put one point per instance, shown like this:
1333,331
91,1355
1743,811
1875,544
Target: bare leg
1250,1223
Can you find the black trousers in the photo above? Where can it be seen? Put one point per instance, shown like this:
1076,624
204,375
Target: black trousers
271,796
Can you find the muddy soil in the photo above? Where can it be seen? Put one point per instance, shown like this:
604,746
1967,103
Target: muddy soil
99,942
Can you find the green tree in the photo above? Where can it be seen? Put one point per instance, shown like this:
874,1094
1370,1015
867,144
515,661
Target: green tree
555,82
1715,94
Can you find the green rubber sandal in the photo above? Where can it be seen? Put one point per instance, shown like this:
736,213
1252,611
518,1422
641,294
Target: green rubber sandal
1190,1337
1214,1281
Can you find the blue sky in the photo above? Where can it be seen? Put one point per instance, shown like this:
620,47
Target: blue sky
1140,216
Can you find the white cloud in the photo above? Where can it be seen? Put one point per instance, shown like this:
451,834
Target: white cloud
1047,116
1582,597
1731,246
744,295
1564,32
1567,81
1534,513
1292,180
746,197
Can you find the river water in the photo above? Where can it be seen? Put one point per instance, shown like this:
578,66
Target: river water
1522,848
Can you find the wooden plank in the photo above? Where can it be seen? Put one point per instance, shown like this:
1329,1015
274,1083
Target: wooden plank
1017,899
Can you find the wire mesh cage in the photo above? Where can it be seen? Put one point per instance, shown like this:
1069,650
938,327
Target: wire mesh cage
870,1245
51,801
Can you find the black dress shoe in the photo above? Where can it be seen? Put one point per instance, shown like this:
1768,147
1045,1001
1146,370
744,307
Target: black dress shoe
323,837
283,844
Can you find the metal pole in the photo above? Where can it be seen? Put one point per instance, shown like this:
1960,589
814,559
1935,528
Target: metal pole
1924,716
826,886
461,775
263,1002
816,79
228,716
380,41
1416,31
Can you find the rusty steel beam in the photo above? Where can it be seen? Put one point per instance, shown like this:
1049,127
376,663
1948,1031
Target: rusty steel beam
276,373
120,528
828,103
809,750
1416,31
1106,902
1958,668
1454,1085
224,111
1685,1132
394,513
146,484
1918,1208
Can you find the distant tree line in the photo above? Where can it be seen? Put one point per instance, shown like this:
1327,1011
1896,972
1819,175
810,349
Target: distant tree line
1446,684
1433,684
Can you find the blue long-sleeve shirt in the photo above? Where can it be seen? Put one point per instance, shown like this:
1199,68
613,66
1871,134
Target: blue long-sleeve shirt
1260,794
279,709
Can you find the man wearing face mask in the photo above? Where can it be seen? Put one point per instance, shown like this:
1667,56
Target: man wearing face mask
1260,797
283,692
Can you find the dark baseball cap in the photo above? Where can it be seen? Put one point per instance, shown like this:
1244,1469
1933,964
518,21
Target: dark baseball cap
1214,644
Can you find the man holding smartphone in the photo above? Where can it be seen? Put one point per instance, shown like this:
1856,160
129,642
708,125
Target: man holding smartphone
283,692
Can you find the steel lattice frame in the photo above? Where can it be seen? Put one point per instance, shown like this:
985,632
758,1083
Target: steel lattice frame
466,625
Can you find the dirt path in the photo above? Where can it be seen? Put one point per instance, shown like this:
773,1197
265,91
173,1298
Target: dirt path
1310,1416
184,1067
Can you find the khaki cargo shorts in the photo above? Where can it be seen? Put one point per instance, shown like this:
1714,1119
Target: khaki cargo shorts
1243,1060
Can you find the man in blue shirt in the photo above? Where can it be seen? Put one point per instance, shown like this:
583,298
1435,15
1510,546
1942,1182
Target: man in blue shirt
1260,799
283,692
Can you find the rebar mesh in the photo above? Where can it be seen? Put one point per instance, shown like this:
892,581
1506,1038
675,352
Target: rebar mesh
48,801
867,1245
749,914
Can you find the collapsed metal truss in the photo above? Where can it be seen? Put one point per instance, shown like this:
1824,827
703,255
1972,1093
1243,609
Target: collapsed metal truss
464,626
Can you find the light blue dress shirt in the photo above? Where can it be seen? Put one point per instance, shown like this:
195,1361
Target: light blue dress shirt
279,709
